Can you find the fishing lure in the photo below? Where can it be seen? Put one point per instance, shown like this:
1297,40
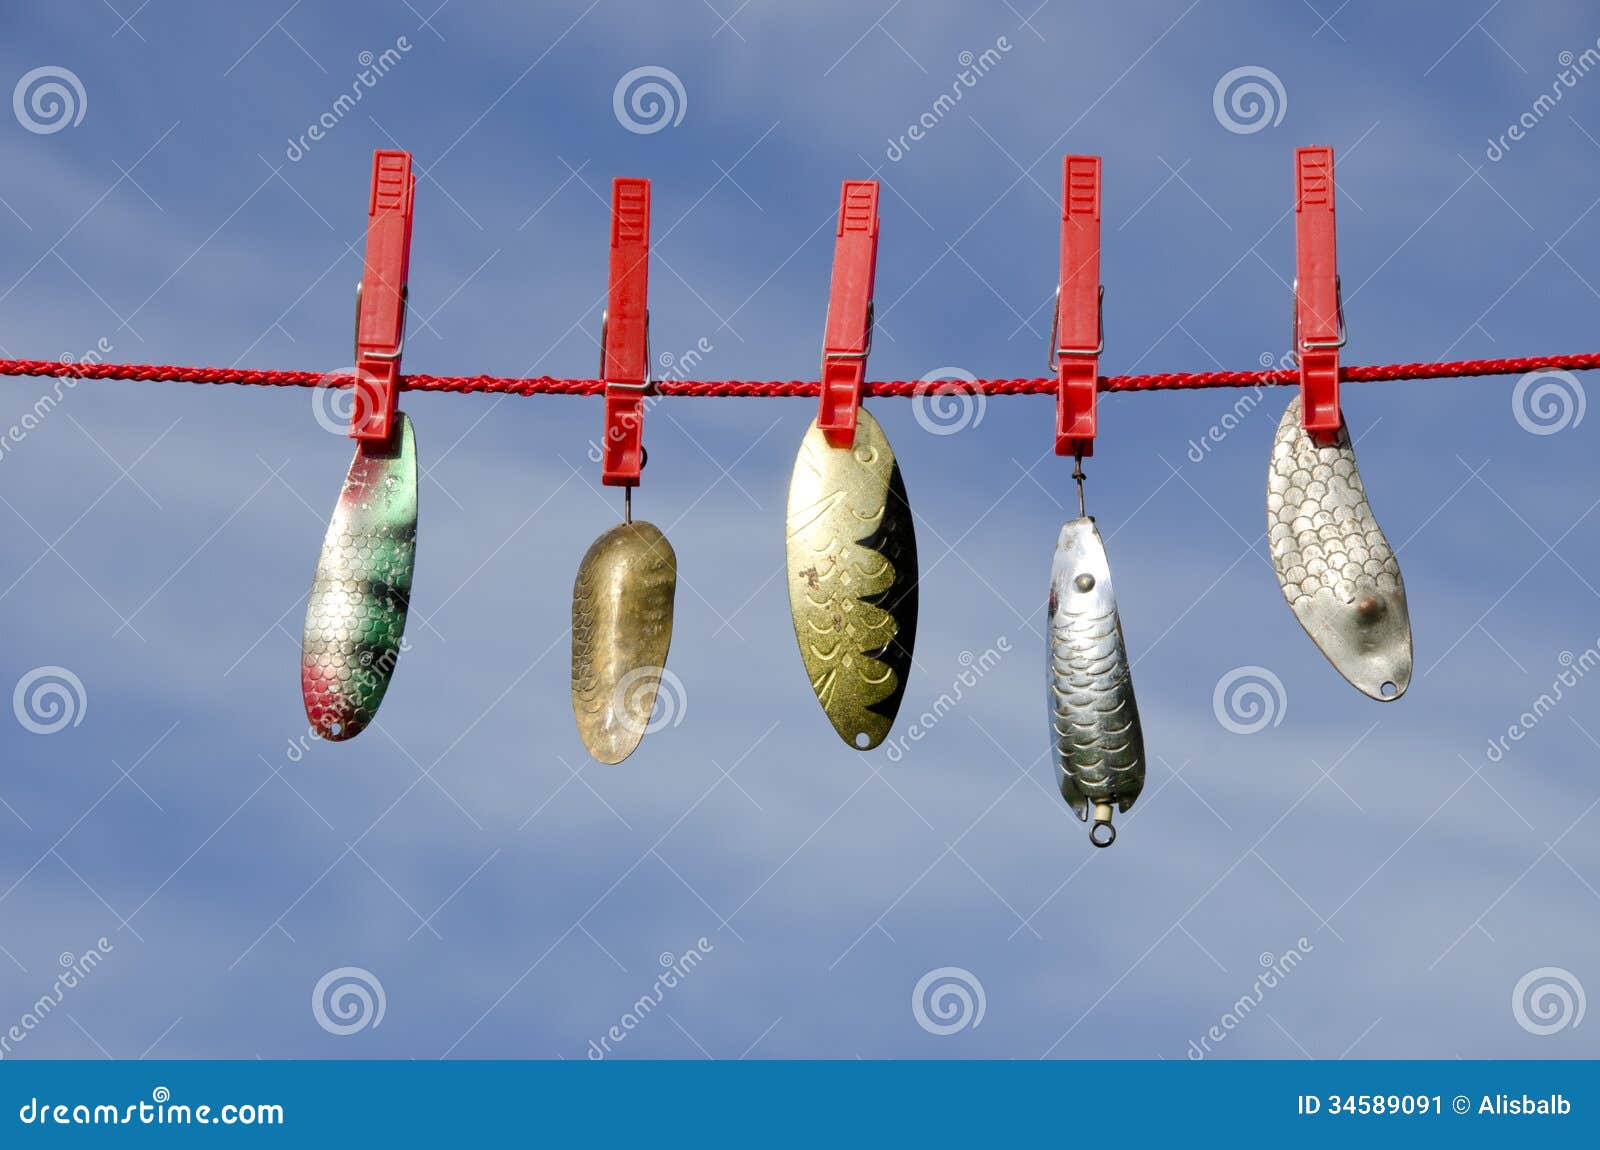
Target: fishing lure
356,615
852,563
623,595
1337,570
622,604
1096,739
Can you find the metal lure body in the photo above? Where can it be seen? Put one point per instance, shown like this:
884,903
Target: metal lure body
852,562
621,628
1098,744
1337,570
356,614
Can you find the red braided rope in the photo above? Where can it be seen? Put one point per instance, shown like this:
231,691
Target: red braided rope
546,385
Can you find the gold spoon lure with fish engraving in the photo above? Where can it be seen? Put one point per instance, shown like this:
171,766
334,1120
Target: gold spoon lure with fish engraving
851,547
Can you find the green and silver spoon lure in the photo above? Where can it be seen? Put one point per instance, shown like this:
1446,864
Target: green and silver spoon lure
356,615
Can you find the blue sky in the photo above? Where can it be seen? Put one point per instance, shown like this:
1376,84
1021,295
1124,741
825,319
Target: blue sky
512,899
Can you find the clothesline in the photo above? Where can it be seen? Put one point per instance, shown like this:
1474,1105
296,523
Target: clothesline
547,385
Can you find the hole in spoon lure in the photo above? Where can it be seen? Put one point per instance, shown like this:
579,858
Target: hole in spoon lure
1096,739
1335,566
356,614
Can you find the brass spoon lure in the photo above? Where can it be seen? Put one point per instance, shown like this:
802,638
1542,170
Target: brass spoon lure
851,547
622,598
622,603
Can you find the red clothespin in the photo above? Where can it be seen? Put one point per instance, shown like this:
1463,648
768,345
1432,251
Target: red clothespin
1077,333
625,334
847,339
381,298
1319,330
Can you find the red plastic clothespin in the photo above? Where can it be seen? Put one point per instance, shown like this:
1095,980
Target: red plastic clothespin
381,298
1319,330
1077,333
625,334
847,338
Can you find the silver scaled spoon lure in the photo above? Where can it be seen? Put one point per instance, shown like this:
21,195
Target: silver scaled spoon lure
1336,569
1096,739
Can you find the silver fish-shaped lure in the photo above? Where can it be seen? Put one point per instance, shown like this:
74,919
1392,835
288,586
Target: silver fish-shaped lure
1097,742
356,614
1336,569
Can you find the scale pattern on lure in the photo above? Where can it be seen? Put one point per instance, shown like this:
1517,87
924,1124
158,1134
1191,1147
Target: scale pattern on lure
621,629
357,611
1337,570
1097,741
852,558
